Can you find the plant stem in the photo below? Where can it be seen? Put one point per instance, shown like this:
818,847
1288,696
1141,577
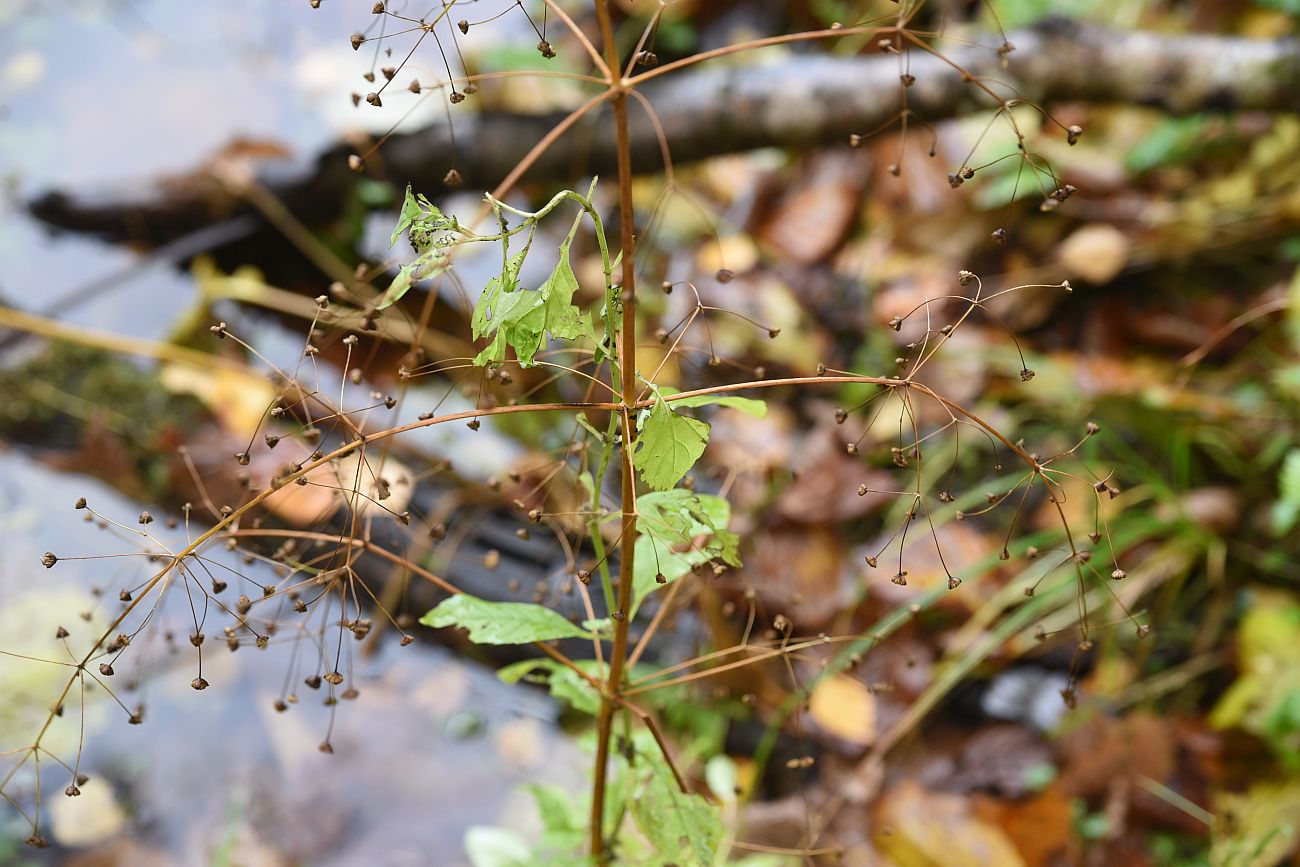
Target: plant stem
627,370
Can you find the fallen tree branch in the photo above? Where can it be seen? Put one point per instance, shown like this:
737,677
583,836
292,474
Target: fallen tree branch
802,101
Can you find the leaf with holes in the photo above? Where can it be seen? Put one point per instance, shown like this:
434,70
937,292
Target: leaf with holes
684,828
679,530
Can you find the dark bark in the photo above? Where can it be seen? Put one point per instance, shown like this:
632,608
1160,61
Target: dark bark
803,101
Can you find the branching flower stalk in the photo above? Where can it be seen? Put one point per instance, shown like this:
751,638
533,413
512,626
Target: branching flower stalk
663,534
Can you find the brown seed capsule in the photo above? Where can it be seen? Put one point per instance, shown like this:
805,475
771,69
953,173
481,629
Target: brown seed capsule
646,58
106,669
72,791
61,633
218,585
855,141
999,235
124,596
474,424
725,275
546,49
357,40
463,25
1072,133
1143,631
196,638
313,682
334,677
953,582
388,72
1119,574
80,504
900,579
48,560
146,518
452,178
456,97
1026,374
373,99
325,747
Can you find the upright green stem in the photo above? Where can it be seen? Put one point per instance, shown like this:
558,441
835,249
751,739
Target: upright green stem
627,370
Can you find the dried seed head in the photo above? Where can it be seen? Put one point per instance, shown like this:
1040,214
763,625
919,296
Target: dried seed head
1143,631
61,633
218,585
146,518
313,682
646,58
452,178
546,49
357,40
907,79
584,576
725,275
456,97
896,323
855,141
334,677
196,638
1119,574
388,72
373,99
48,560
900,579
1026,374
999,235
72,791
1072,133
1031,553
106,669
953,582
473,424
463,25
851,448
242,458
80,504
1092,428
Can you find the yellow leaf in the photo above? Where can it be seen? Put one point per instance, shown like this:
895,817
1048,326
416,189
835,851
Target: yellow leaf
845,708
916,828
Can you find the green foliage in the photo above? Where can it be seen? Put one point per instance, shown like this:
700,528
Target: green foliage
670,522
1265,698
520,319
684,828
426,225
1286,509
501,622
747,405
667,446
565,683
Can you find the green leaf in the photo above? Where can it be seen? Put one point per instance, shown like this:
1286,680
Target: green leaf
668,446
747,405
411,211
485,309
399,287
422,218
564,683
521,318
679,530
684,828
496,847
501,622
